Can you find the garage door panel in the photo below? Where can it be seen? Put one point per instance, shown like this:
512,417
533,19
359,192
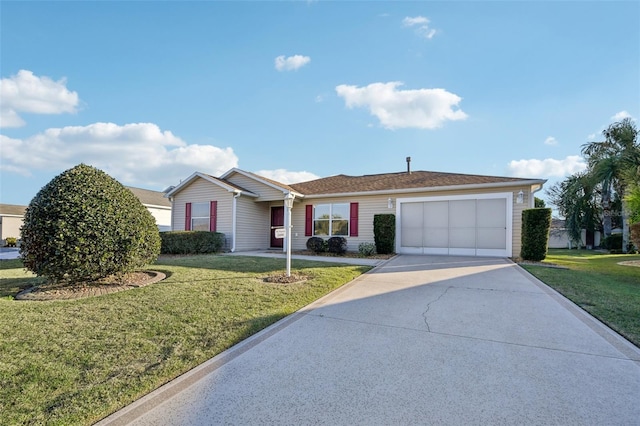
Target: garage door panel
436,214
462,238
462,213
492,213
436,237
412,225
492,238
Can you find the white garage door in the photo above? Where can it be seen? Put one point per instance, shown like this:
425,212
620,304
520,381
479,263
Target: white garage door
456,226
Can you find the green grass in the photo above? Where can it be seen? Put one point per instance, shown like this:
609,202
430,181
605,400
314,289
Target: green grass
596,283
75,362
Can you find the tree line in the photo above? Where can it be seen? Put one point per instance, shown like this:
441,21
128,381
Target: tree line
607,194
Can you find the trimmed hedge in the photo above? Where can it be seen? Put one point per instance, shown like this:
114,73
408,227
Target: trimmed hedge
384,233
612,242
337,245
536,224
317,245
191,242
84,225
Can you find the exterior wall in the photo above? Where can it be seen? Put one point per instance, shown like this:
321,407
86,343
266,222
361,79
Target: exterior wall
162,216
10,227
265,192
559,238
200,191
378,204
368,206
252,224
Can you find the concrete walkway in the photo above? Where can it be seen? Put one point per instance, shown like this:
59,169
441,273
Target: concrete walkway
9,253
419,340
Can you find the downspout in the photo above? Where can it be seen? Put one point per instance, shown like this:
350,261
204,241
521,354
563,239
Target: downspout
532,196
233,221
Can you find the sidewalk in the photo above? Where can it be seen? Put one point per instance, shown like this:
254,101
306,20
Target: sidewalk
9,253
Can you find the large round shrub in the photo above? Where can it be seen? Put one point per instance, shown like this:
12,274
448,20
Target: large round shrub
84,225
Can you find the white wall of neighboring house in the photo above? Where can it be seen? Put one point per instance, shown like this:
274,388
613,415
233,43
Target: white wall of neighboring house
162,216
559,238
10,227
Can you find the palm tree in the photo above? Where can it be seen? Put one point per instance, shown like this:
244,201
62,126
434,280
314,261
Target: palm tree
615,163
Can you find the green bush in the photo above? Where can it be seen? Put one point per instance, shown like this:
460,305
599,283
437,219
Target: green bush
191,242
612,242
367,249
536,224
84,225
337,245
384,233
10,241
317,245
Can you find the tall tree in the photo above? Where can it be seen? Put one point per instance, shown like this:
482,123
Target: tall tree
577,201
615,163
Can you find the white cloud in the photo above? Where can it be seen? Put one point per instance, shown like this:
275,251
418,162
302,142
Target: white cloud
546,168
421,108
620,116
550,141
287,176
421,25
591,137
137,153
28,93
291,63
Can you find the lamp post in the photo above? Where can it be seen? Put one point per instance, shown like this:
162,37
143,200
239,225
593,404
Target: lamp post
288,203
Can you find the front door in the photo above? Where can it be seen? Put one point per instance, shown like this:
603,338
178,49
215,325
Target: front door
277,221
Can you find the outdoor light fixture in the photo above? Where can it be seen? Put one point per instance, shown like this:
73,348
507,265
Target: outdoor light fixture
288,203
390,203
520,198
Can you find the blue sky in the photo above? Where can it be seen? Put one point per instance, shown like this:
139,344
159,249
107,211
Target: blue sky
152,91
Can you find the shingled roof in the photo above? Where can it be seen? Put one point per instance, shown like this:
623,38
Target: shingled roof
12,209
151,198
398,181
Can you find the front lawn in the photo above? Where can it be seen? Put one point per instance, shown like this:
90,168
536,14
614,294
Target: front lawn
75,362
596,283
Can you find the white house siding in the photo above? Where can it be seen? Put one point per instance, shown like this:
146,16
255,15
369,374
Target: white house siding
252,226
10,227
378,204
162,216
200,191
265,192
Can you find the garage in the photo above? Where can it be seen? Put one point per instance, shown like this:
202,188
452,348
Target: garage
466,225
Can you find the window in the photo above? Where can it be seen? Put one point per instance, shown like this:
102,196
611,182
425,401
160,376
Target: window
200,217
331,219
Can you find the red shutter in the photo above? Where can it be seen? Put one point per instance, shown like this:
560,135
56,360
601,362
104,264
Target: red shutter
308,221
353,220
213,216
187,217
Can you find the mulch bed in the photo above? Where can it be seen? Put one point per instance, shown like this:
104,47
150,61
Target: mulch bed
66,291
284,279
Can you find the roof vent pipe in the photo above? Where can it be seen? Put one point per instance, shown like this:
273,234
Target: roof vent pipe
409,165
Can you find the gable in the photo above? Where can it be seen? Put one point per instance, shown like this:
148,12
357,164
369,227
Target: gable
264,191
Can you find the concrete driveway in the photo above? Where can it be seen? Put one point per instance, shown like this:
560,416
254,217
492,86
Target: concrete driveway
420,340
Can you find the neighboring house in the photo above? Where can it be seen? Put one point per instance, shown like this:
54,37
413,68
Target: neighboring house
157,204
10,221
436,213
11,216
559,237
